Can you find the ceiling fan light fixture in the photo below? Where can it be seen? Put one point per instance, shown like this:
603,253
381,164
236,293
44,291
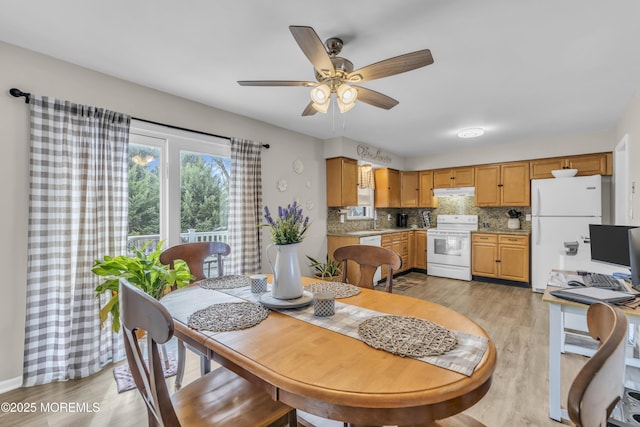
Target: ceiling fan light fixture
470,133
321,95
345,107
347,94
320,108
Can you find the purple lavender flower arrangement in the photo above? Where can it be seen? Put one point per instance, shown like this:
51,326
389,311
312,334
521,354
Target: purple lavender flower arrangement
290,225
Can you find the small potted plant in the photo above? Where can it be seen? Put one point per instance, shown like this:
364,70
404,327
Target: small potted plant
329,270
142,270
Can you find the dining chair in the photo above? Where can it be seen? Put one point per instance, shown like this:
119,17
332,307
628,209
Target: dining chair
369,258
599,385
217,398
194,254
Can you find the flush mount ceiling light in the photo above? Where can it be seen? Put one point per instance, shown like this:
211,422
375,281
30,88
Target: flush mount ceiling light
470,133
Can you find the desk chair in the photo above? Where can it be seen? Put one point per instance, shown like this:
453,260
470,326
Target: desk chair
218,398
369,258
600,383
194,254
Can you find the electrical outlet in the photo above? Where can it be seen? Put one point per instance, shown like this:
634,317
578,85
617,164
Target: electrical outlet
527,217
341,218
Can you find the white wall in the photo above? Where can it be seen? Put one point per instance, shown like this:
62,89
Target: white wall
593,142
629,124
42,75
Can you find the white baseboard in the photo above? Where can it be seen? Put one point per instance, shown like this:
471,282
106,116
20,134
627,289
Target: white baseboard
10,384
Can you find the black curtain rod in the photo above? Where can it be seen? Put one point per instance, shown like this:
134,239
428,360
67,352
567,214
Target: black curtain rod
18,93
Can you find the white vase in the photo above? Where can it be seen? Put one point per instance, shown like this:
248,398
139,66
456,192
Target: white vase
287,280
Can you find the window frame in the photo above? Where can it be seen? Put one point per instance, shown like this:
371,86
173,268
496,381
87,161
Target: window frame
171,142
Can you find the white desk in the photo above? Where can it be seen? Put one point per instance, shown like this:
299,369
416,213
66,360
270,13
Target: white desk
557,309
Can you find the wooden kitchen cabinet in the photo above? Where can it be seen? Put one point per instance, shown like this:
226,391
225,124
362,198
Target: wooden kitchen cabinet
514,257
399,243
426,197
387,193
505,184
587,164
454,177
501,256
420,250
409,189
484,255
342,182
335,242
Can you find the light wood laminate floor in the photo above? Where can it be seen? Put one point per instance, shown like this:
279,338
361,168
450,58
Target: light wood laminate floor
515,318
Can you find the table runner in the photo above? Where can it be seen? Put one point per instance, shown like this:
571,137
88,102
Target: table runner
462,359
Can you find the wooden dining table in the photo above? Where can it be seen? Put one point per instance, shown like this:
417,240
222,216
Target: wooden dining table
331,375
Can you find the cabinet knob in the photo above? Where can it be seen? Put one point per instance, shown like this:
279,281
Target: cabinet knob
497,260
500,185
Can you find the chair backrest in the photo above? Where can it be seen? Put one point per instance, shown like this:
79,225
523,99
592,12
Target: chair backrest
599,385
369,258
194,255
138,310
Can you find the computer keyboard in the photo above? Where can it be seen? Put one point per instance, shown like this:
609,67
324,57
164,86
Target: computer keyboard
604,281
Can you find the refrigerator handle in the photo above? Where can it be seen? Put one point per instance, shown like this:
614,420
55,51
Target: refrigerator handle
539,232
537,212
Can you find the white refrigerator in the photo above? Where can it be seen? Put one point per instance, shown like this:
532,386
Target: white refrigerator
561,209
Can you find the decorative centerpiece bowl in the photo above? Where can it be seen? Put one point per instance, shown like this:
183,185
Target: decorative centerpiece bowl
564,173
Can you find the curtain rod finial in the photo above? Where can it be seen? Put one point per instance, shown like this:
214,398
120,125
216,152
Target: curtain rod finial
18,93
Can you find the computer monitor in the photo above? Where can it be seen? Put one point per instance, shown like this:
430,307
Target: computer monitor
610,244
634,257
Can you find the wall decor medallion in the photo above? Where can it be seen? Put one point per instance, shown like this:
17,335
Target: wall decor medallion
298,166
282,184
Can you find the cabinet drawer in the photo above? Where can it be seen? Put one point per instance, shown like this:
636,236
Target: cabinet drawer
510,239
486,238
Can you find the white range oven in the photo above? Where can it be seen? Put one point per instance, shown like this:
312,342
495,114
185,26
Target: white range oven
449,246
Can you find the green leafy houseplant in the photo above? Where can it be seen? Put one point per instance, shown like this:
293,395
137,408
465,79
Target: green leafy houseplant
325,270
144,271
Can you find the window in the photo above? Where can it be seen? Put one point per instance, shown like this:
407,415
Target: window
178,186
364,210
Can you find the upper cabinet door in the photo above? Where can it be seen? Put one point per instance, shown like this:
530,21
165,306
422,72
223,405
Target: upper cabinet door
442,178
387,193
516,188
591,164
427,198
463,177
409,189
342,182
488,181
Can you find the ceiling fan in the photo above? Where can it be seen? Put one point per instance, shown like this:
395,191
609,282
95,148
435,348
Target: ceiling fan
335,75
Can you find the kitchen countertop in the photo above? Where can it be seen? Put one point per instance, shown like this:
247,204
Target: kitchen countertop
365,233
503,231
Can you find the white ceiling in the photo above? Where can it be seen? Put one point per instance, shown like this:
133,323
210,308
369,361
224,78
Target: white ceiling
520,69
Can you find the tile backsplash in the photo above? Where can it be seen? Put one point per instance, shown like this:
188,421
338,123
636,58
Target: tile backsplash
488,218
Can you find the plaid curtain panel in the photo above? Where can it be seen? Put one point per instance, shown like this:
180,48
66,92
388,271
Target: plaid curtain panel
77,213
245,207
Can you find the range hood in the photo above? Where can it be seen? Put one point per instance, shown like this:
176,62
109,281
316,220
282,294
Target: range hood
457,191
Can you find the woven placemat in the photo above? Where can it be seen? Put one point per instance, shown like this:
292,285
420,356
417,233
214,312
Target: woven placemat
228,316
406,336
225,282
339,289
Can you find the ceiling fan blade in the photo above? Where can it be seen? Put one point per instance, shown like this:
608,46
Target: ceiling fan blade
314,49
309,110
274,83
392,66
375,98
